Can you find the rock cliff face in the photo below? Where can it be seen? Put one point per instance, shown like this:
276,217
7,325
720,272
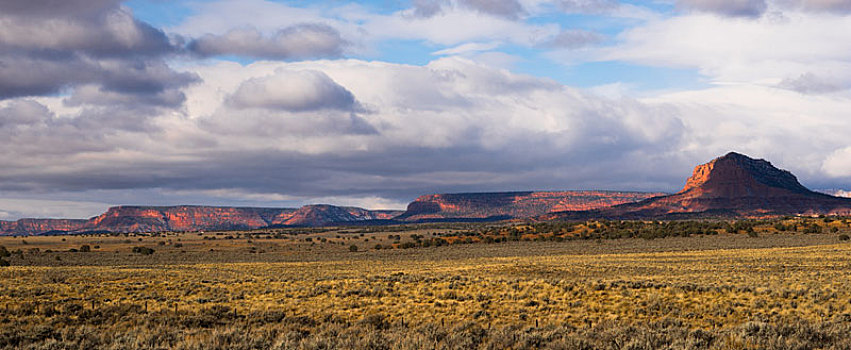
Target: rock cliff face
731,186
513,204
308,215
25,226
182,218
196,218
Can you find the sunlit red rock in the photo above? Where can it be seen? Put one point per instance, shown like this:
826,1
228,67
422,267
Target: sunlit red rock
513,204
730,186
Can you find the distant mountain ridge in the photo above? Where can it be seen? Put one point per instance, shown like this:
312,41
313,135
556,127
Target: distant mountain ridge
196,218
733,185
429,208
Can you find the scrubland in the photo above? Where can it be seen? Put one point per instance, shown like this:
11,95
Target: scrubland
718,290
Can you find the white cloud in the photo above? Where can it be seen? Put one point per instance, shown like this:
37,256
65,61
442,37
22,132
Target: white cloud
305,90
838,163
764,51
466,49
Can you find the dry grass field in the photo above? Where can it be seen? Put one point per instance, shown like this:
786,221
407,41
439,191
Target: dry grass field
719,291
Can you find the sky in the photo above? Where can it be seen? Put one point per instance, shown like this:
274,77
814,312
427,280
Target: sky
373,103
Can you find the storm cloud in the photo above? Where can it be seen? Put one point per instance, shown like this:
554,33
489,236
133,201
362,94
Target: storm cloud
45,50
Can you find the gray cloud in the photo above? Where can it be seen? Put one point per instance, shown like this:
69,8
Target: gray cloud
114,33
587,6
23,113
50,8
428,8
835,6
573,39
809,83
307,40
482,130
49,47
294,91
510,9
733,8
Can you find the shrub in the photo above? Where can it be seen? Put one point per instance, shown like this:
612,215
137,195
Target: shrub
143,250
85,248
844,237
4,252
353,248
3,262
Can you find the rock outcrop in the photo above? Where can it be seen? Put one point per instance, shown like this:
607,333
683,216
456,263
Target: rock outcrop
734,185
196,218
28,226
505,205
309,215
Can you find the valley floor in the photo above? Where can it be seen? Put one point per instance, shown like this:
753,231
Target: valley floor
729,291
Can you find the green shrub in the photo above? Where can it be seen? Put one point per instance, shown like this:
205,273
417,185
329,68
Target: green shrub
843,237
85,248
353,248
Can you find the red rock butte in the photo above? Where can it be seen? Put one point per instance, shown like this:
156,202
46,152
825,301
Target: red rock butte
734,185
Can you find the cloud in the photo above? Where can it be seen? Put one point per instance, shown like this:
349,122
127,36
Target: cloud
307,40
809,83
509,9
49,8
428,8
113,33
448,23
23,113
16,208
294,91
833,6
80,43
837,163
733,8
448,126
573,39
588,6
466,49
729,50
401,131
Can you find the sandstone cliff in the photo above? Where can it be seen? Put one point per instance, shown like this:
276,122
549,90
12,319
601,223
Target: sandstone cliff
503,205
734,185
196,218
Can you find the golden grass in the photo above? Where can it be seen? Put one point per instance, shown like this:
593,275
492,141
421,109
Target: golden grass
711,289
